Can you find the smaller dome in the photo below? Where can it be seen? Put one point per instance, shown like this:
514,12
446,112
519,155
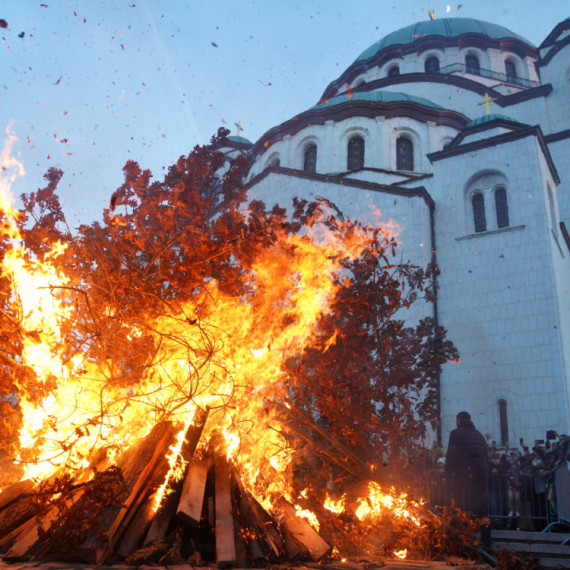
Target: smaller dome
375,97
492,117
242,140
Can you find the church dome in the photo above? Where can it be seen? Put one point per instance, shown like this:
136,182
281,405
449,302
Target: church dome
375,97
444,27
492,117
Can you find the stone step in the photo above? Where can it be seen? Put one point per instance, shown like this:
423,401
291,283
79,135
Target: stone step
538,550
529,537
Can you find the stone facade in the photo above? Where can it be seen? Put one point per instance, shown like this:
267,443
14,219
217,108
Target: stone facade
504,284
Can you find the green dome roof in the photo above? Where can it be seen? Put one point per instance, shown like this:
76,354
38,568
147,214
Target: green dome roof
447,27
239,139
492,117
375,97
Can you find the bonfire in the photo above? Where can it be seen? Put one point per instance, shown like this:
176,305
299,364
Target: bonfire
199,378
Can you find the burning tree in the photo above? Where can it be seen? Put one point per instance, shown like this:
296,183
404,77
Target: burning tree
196,319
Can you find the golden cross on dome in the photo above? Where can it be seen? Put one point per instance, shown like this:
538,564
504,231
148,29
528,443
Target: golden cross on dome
239,127
487,102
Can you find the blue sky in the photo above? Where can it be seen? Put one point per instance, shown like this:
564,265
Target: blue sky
93,84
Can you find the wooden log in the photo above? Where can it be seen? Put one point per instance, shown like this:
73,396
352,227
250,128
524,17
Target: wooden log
250,523
135,473
15,491
270,528
192,496
8,541
16,514
241,558
293,550
169,504
225,541
301,532
26,542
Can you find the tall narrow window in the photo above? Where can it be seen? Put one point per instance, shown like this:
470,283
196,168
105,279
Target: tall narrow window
404,154
510,70
502,208
394,71
504,422
310,164
355,154
472,64
551,207
431,65
478,203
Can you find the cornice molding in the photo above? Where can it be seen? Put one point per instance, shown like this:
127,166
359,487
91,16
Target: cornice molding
419,192
559,136
498,140
554,50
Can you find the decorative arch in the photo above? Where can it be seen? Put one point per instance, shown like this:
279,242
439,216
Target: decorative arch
410,135
431,63
360,81
274,160
471,66
303,148
487,202
393,70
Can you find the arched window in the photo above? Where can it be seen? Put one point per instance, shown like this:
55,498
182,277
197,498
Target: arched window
472,64
503,422
310,163
478,203
502,208
404,154
446,144
360,82
355,153
275,161
394,71
510,70
431,65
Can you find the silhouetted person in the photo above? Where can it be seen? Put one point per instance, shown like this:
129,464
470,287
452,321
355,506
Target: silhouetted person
467,466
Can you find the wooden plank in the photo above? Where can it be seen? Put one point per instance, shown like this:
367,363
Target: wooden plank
12,493
225,542
135,473
301,532
142,518
192,496
270,528
7,541
169,504
241,558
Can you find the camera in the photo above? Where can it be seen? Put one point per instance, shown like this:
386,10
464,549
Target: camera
539,441
550,434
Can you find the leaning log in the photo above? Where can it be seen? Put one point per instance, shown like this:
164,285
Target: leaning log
135,474
16,514
169,504
15,491
301,532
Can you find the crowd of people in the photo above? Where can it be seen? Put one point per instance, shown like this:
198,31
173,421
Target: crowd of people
514,486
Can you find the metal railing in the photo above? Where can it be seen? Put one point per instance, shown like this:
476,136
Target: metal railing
502,77
522,501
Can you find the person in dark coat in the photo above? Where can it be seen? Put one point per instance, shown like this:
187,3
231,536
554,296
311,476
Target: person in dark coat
467,466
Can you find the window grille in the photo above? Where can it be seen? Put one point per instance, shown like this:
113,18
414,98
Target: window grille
310,164
502,208
478,203
404,154
355,154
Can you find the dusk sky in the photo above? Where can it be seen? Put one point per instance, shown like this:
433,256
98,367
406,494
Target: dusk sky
93,84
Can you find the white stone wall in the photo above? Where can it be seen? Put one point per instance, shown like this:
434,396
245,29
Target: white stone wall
405,217
379,134
560,152
557,73
498,298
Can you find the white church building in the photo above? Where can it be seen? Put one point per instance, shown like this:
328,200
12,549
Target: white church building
455,133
